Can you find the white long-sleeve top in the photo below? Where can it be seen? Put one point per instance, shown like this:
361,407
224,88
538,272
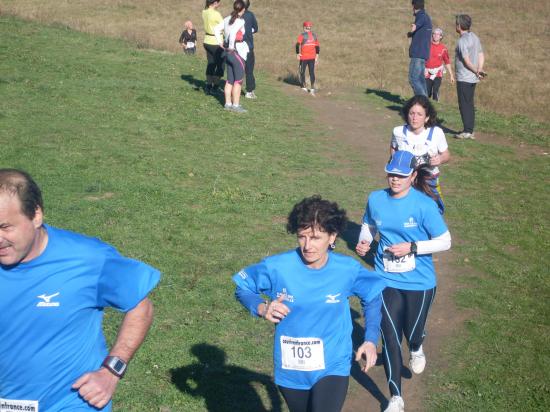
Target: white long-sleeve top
424,247
230,34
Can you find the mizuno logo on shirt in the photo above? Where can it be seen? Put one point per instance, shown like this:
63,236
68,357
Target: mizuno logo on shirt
46,300
332,298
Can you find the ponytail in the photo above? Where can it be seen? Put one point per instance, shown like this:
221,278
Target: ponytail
421,183
238,6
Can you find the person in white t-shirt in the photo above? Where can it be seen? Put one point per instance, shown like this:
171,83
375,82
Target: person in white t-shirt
423,139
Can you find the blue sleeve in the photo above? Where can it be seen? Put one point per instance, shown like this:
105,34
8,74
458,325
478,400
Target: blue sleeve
248,299
367,216
372,311
419,20
368,287
254,23
251,282
124,282
433,221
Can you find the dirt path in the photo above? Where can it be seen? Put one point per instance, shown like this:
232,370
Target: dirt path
367,129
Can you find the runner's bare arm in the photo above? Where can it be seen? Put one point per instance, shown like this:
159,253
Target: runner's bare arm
98,387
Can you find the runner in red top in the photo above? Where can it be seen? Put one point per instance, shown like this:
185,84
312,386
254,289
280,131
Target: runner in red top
435,65
307,53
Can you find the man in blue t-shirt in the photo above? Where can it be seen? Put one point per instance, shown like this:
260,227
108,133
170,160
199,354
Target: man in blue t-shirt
419,50
55,285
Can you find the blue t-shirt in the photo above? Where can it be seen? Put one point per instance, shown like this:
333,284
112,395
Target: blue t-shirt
422,36
319,313
52,311
412,218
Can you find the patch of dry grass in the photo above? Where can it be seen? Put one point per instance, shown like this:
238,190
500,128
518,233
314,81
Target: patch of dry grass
363,43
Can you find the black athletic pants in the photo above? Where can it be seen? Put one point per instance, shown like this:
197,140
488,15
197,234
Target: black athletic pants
310,64
250,79
327,395
465,92
214,57
403,312
433,87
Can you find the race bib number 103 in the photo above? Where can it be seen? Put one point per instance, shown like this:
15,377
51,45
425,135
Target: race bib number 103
302,354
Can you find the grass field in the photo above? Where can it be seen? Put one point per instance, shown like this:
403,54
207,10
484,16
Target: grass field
363,43
126,148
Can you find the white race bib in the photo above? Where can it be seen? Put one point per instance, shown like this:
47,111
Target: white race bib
302,354
10,405
189,45
396,264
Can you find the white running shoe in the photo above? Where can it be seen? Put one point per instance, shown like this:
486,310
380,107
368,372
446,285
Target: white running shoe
312,92
396,404
250,95
417,361
239,109
305,89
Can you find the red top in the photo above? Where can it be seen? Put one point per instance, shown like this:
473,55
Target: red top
439,55
308,45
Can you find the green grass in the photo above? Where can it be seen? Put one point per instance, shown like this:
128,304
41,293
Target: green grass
126,150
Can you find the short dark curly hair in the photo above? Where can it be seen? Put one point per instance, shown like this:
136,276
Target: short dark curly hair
426,104
316,211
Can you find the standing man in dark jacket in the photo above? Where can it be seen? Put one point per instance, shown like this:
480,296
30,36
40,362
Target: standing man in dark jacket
250,28
419,50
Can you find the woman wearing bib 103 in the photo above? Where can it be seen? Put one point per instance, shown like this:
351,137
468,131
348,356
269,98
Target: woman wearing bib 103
308,290
411,229
424,139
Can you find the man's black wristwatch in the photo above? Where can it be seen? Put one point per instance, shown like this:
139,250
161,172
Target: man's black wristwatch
413,248
115,365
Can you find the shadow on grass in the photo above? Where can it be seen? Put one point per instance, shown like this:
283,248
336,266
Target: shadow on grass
396,99
291,78
200,85
224,387
358,337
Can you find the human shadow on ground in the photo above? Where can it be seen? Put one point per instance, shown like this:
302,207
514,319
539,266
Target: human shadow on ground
398,103
397,100
200,85
291,78
224,387
363,379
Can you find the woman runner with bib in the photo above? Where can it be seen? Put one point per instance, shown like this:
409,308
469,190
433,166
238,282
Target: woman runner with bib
308,290
411,229
424,139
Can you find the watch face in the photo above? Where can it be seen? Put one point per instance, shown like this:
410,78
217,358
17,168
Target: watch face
119,365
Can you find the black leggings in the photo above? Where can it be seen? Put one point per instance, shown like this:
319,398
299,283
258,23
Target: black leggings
327,395
433,87
214,57
310,64
403,312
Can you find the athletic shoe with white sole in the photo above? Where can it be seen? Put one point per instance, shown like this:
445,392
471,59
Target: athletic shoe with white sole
239,109
250,95
465,135
228,106
417,361
396,404
312,92
305,89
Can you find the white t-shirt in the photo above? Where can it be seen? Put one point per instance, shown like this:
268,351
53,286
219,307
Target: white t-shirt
420,144
230,35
